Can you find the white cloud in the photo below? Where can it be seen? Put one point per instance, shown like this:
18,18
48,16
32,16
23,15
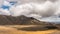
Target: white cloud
1,2
34,8
4,12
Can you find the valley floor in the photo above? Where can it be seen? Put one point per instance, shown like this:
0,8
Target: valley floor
25,29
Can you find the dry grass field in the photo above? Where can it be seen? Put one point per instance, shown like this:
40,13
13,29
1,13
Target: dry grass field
25,29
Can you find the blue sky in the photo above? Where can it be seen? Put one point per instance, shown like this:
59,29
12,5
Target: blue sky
3,6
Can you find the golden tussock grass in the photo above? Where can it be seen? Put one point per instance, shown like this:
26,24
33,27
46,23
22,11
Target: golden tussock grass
10,30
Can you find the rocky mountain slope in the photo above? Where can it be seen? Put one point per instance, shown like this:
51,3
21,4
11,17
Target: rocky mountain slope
21,20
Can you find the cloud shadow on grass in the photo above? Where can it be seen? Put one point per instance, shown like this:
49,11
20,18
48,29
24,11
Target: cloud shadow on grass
37,28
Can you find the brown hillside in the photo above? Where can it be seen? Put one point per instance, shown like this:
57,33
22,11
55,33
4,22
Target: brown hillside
22,20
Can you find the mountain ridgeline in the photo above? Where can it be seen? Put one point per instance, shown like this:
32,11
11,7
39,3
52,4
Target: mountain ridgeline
21,20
